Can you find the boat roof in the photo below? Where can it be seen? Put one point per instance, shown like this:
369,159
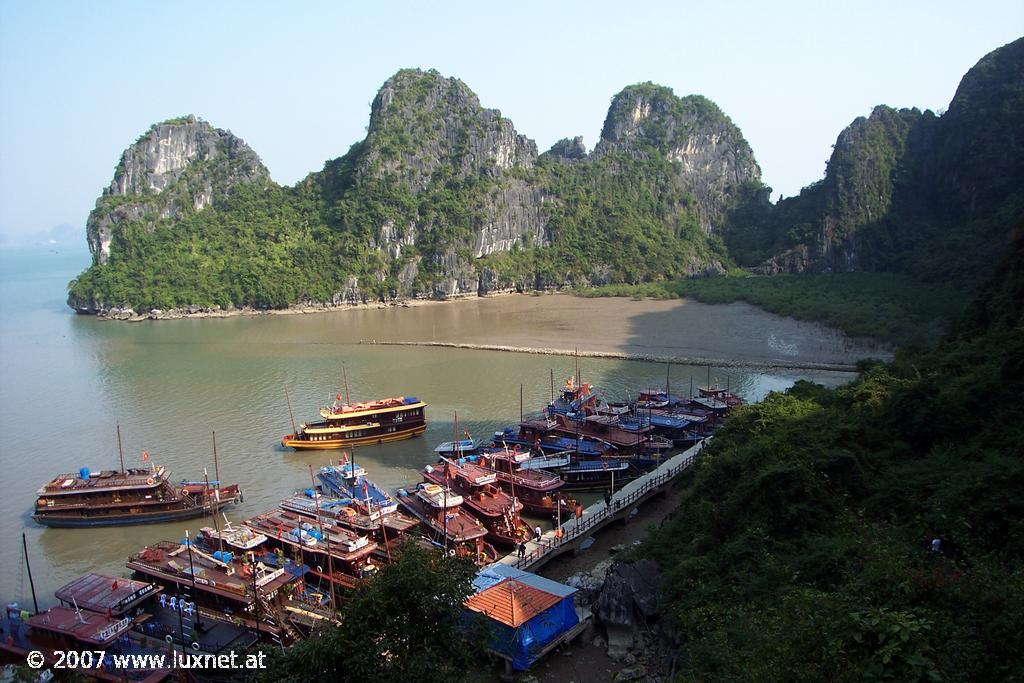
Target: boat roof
83,626
107,480
106,594
512,602
170,561
347,410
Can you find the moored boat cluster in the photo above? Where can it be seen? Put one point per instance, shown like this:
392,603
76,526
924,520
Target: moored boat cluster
278,574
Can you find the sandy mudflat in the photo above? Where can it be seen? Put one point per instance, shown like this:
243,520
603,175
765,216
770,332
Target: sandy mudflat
670,329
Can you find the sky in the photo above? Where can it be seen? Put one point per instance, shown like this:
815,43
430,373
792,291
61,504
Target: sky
80,81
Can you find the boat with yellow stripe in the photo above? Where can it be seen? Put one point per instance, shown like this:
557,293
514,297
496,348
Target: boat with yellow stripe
361,424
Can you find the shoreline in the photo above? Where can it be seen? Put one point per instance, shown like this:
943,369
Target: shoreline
129,315
621,355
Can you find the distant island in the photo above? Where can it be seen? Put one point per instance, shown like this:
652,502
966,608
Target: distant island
444,198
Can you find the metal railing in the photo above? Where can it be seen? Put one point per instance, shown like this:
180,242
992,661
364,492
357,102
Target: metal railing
630,494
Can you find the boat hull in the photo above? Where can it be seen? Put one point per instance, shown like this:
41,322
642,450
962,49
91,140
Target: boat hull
290,441
155,517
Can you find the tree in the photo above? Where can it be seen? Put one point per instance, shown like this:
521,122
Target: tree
408,624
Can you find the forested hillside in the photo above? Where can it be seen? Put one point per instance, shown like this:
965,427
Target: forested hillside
803,547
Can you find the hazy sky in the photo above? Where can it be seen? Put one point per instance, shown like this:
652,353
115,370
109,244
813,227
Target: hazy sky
80,81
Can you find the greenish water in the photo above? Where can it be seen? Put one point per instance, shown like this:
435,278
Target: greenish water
67,380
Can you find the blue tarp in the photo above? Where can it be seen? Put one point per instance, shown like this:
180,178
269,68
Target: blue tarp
523,645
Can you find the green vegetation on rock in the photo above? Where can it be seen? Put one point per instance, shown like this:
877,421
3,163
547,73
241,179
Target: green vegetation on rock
802,547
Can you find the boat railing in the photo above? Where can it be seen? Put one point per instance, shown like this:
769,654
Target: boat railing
571,532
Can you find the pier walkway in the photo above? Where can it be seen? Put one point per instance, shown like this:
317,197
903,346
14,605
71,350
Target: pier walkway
575,531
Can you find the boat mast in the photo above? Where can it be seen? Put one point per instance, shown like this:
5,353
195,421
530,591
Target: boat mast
520,403
291,415
330,557
120,450
552,370
216,467
384,530
31,583
213,510
577,367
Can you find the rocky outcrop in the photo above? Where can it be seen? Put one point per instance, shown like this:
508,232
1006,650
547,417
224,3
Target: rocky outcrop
911,191
567,150
429,142
178,166
714,161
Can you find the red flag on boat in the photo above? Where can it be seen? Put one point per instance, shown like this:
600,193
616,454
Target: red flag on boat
465,434
337,397
366,492
113,586
344,458
145,456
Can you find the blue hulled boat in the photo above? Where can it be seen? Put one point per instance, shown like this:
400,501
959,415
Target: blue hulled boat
348,480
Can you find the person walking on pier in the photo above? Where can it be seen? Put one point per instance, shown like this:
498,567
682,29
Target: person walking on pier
608,499
522,549
537,533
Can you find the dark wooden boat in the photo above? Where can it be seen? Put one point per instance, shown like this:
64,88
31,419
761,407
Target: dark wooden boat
538,490
446,524
360,424
336,554
245,589
542,435
90,637
488,502
127,496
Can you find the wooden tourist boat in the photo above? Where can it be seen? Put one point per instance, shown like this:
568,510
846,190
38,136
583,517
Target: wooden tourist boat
128,496
361,424
245,589
542,435
348,514
445,524
348,480
536,489
335,556
487,501
61,633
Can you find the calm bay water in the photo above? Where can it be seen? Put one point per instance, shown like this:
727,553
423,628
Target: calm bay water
67,380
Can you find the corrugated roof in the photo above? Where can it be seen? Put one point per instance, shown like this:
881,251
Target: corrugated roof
512,602
495,573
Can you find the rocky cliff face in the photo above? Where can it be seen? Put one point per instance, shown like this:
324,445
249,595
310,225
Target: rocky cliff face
177,166
431,145
442,198
713,159
913,192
